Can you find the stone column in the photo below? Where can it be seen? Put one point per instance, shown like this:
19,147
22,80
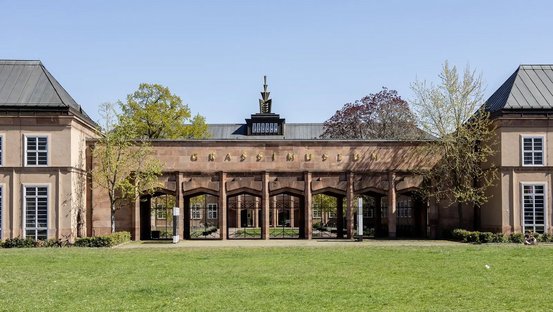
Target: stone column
265,206
292,221
179,201
275,211
308,212
255,213
339,216
238,211
222,206
349,206
392,212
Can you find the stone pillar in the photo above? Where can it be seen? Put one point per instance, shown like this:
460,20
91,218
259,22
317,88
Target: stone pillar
275,211
292,211
255,214
179,201
392,212
308,211
340,216
136,218
238,211
349,206
265,206
222,206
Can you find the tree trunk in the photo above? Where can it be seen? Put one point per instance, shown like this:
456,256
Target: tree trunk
112,218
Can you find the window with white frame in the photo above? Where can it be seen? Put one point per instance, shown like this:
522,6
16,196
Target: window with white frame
36,212
195,212
533,206
212,211
316,211
161,212
36,150
533,151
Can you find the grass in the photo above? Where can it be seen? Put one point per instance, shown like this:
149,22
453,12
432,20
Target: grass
278,279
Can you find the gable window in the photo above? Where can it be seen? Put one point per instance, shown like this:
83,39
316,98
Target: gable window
36,212
36,151
533,151
533,206
212,211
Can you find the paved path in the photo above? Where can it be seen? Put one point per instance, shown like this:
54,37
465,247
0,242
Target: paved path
287,243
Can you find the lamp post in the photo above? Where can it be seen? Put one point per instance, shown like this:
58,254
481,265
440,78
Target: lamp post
176,213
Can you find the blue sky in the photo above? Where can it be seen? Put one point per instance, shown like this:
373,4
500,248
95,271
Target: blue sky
318,55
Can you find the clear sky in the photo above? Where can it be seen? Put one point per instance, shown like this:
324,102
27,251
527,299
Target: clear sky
317,55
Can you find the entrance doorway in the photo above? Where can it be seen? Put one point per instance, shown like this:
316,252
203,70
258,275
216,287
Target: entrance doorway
244,217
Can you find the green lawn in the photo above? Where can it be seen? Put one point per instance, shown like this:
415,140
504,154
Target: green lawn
279,279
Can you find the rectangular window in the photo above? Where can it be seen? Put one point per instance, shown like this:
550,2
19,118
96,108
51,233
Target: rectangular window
195,212
36,212
36,151
316,213
212,211
533,151
404,208
533,205
161,212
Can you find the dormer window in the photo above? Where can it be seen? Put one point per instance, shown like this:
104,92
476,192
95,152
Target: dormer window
533,151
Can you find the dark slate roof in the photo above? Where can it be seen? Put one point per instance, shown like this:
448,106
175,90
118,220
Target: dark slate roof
29,86
292,131
530,87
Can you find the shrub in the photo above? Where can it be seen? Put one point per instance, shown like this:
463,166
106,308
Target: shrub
476,237
546,238
459,235
104,240
18,243
485,237
500,238
516,238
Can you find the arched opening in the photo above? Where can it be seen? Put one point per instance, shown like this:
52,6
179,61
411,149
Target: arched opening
244,216
156,215
285,216
202,217
328,216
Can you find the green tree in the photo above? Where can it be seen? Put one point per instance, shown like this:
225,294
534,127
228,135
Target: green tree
454,113
123,167
155,113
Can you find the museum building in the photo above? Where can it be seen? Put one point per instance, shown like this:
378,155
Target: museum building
264,178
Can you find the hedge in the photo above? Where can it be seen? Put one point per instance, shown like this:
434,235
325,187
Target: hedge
476,237
97,241
29,243
109,240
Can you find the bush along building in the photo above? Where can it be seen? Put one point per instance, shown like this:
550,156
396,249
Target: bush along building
264,178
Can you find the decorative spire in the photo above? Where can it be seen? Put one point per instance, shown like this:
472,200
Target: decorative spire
265,102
